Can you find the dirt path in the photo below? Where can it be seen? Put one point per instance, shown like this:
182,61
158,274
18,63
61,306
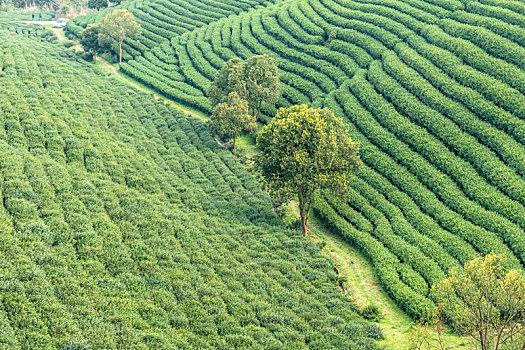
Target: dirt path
364,287
61,37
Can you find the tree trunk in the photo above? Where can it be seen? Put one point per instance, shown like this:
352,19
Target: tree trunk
304,221
234,136
120,49
259,110
308,211
305,206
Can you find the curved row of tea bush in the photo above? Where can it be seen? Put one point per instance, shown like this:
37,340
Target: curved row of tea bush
125,225
433,92
394,187
163,19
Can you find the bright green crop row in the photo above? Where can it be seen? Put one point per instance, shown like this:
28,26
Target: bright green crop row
161,20
125,225
464,106
507,30
407,182
459,143
433,161
385,263
433,91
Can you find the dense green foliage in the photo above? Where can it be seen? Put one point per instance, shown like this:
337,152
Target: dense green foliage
255,80
89,39
163,19
124,225
117,26
304,150
434,92
486,302
97,4
231,118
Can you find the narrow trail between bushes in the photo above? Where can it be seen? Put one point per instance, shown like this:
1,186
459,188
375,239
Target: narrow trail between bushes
363,285
115,71
365,289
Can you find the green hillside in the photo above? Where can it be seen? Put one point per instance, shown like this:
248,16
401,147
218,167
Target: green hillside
124,225
434,92
163,19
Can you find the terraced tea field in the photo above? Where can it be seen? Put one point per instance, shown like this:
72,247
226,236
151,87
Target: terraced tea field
434,92
125,225
163,19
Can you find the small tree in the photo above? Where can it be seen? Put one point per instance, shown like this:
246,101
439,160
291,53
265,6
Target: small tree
117,26
255,80
485,302
231,118
97,4
89,40
303,150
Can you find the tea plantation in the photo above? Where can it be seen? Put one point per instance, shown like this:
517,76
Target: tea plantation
124,225
163,19
434,91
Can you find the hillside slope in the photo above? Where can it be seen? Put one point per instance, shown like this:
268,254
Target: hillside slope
433,90
161,20
124,225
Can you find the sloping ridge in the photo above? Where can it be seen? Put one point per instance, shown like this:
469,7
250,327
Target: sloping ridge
124,225
162,20
433,91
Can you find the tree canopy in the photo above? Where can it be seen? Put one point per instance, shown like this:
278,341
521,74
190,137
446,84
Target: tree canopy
89,39
231,117
117,26
305,149
255,80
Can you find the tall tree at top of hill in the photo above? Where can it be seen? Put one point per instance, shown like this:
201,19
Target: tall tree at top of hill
486,302
303,150
255,80
117,26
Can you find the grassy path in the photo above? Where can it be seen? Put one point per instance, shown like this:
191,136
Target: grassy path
362,281
113,69
363,285
364,289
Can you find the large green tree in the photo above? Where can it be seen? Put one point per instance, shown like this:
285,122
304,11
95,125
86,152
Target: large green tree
89,39
231,117
255,80
486,302
117,26
303,150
